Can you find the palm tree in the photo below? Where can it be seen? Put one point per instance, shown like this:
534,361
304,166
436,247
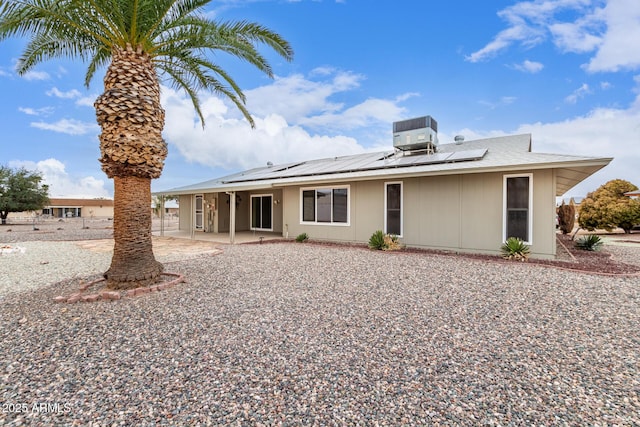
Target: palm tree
137,40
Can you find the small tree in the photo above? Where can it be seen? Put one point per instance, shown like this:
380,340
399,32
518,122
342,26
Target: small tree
566,217
21,190
608,207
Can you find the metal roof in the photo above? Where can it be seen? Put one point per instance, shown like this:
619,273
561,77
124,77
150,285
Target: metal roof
484,155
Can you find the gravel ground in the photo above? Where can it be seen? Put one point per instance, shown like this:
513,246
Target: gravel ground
52,230
302,334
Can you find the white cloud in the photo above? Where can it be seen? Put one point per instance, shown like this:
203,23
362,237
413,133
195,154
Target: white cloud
44,111
529,66
60,183
68,126
36,75
295,97
505,100
579,93
609,28
70,94
230,143
603,132
295,120
620,47
86,101
574,36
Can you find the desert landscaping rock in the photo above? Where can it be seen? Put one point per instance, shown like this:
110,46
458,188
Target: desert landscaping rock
303,334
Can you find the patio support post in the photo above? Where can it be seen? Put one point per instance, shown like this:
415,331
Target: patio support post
232,216
162,215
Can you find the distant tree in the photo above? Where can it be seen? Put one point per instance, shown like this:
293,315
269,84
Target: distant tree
566,217
608,208
157,203
21,190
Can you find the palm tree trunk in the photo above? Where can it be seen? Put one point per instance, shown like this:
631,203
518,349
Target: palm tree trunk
132,153
133,263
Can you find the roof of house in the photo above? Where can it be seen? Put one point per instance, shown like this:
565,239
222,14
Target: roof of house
73,203
507,153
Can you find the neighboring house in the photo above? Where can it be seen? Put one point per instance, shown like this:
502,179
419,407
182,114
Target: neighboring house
71,208
633,194
76,208
171,209
467,196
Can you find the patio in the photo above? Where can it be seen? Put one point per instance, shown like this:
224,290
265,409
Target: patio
222,238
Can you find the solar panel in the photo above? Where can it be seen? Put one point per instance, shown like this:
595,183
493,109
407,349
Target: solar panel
458,156
356,163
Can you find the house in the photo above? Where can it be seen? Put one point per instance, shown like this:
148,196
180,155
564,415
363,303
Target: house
633,194
71,208
467,196
76,208
171,209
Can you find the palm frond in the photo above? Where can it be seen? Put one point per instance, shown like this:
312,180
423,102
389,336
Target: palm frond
176,34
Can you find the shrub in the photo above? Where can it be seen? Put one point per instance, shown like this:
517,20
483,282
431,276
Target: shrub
566,217
384,242
590,242
391,242
301,238
608,207
515,249
376,241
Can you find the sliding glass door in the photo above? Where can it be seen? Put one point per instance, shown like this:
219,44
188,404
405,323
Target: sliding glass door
262,212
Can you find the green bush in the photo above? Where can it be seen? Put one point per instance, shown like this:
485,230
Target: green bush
608,207
376,241
590,242
515,249
301,238
384,242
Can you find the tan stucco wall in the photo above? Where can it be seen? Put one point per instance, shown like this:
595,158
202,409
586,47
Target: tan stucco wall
184,212
456,212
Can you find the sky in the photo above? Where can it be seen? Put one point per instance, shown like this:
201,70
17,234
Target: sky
565,71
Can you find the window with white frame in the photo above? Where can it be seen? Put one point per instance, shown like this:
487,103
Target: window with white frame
393,208
325,205
518,204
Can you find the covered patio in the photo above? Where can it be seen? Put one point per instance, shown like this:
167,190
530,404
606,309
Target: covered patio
223,238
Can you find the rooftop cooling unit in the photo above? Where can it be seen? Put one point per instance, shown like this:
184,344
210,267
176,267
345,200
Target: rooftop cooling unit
420,133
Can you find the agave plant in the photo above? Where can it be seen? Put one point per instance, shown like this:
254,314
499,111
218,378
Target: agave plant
589,242
515,249
376,241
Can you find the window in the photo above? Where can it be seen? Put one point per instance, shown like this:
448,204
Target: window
325,205
517,207
393,208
